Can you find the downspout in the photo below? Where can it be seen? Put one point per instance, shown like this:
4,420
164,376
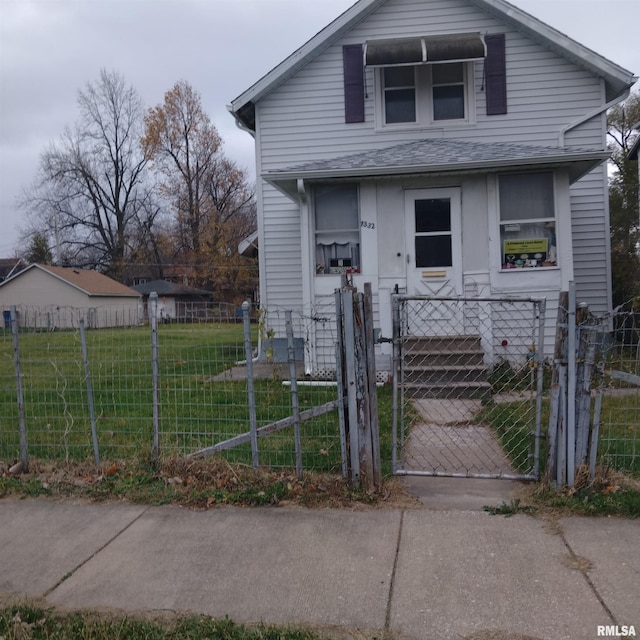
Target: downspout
592,114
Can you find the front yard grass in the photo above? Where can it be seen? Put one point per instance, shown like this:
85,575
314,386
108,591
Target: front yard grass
619,438
29,621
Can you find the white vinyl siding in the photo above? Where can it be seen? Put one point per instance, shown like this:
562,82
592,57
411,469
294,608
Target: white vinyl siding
302,120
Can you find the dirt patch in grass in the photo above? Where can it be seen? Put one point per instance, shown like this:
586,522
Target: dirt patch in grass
198,484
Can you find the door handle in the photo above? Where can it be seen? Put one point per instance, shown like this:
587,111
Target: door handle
408,258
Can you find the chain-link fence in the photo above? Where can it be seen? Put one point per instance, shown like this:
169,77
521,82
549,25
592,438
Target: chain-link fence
468,386
80,378
618,391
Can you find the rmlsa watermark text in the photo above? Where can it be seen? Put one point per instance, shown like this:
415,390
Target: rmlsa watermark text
616,631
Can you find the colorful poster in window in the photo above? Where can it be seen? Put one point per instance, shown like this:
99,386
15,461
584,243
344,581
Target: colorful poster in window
525,252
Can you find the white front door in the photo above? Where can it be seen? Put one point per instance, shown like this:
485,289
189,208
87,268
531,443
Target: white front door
434,254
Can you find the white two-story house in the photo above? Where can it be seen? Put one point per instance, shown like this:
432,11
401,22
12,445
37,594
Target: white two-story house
436,147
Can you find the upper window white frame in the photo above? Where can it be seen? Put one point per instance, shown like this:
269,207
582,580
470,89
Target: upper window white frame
426,115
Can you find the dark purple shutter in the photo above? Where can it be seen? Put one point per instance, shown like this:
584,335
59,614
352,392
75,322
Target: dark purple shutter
495,75
353,83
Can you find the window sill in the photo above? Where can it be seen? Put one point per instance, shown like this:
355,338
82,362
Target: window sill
530,269
351,272
443,125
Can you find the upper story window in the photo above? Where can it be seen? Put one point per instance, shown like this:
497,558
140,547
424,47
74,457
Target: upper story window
425,94
425,80
399,94
448,91
527,220
337,228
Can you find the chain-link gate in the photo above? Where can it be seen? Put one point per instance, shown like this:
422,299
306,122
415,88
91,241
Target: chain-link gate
468,379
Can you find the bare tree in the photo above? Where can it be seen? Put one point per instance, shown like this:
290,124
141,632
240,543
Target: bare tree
213,204
91,194
183,145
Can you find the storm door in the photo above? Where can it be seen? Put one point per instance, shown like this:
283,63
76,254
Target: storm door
434,254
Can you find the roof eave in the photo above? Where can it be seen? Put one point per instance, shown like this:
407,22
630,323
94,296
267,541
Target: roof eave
458,167
299,58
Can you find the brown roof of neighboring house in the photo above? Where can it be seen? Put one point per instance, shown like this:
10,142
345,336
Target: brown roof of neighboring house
91,282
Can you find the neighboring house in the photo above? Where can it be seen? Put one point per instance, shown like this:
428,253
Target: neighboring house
58,298
450,147
9,267
175,301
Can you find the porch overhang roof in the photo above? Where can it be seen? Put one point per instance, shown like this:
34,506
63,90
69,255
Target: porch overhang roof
439,156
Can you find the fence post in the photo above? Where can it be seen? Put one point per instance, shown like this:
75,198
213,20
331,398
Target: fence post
295,408
541,305
395,305
373,390
253,421
355,359
365,439
155,384
586,359
24,455
350,380
343,416
557,443
87,373
571,386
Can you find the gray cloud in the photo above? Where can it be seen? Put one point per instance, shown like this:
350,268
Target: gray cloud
49,49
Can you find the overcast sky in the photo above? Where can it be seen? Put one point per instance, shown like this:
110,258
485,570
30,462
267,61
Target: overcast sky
49,49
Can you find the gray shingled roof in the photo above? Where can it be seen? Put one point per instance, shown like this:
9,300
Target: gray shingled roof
442,155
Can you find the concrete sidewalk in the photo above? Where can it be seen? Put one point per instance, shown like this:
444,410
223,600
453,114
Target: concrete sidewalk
420,574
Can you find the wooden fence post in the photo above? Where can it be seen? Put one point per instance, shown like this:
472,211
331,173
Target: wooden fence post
356,375
572,435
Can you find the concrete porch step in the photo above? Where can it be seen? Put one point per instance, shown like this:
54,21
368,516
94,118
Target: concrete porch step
434,374
444,358
454,390
447,344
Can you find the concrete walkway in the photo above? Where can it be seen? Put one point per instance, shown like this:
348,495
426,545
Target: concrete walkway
419,574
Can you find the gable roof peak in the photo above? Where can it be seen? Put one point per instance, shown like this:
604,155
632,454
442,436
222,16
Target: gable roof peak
88,281
617,79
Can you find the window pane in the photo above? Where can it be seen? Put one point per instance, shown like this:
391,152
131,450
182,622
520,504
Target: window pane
526,196
336,207
528,245
337,228
433,251
400,105
433,215
448,103
399,77
447,73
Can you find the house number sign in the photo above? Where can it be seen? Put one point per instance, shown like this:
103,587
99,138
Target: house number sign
367,225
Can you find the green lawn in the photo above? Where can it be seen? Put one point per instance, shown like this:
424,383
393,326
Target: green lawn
195,411
619,439
27,621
